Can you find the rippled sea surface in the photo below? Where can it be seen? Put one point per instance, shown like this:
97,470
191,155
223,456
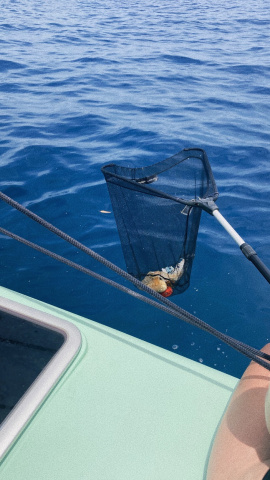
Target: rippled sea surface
85,83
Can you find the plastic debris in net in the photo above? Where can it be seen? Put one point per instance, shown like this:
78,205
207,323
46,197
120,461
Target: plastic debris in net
156,219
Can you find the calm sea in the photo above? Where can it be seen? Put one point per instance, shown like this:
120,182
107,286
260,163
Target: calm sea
84,83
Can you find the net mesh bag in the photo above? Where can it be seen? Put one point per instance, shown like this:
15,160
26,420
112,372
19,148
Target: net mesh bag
156,217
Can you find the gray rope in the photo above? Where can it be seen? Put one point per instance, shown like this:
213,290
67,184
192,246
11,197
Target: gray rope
168,306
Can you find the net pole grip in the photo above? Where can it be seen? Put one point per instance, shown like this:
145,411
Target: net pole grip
239,240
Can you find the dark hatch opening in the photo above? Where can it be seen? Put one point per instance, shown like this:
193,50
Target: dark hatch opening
25,350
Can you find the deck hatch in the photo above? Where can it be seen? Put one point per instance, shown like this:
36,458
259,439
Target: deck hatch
35,350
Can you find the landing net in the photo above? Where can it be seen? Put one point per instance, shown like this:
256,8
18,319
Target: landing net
156,217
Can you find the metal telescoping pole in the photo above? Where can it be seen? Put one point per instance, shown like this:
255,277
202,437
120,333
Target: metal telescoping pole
246,249
239,240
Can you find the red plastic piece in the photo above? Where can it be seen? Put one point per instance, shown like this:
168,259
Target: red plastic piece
167,292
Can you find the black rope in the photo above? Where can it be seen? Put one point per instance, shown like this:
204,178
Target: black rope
168,306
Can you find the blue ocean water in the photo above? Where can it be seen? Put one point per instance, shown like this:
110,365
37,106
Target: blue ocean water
85,83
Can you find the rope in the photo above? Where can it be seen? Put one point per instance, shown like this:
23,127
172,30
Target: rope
168,306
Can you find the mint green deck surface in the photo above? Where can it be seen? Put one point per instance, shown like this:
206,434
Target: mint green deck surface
124,410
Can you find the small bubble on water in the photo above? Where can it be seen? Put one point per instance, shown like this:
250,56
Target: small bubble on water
201,360
192,344
175,347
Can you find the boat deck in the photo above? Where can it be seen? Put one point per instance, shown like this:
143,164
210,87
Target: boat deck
123,409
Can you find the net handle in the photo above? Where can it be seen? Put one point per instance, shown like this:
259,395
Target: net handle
245,248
